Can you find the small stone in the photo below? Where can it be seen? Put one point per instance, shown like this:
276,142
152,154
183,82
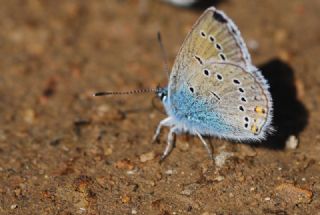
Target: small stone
133,171
29,116
189,189
181,3
293,194
219,178
110,113
108,151
170,172
221,158
147,156
267,199
82,210
14,206
134,211
124,164
184,146
292,142
125,199
17,192
102,181
247,151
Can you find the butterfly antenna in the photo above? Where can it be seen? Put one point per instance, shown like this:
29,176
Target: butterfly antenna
139,91
164,54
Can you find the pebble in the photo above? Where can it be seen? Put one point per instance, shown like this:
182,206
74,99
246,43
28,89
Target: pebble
219,178
147,156
133,171
221,158
182,3
124,164
125,199
109,113
14,206
293,194
29,116
170,172
189,189
247,151
134,211
292,142
184,146
108,151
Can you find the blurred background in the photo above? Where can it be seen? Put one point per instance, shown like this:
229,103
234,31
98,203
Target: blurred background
63,151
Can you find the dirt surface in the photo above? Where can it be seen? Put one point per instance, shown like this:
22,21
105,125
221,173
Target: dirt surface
63,151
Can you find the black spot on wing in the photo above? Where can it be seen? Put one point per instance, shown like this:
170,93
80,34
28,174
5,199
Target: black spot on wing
219,17
215,95
198,59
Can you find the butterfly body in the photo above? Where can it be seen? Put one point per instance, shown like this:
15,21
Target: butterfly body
214,90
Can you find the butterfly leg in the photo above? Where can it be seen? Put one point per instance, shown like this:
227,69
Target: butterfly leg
164,122
170,143
206,145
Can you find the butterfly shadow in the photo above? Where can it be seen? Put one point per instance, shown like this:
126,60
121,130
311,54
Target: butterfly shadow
290,116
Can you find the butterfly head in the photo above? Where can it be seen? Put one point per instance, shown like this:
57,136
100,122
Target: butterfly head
162,93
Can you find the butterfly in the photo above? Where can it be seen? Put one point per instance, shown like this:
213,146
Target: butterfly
214,89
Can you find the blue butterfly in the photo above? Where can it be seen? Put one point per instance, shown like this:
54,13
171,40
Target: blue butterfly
214,90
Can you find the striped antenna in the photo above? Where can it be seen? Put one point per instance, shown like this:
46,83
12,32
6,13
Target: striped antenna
138,91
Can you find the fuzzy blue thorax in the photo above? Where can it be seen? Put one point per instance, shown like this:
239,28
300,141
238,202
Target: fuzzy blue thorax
192,113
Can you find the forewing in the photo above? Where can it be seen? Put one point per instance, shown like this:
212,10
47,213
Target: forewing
214,36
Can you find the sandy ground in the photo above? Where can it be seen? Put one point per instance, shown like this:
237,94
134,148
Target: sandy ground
63,151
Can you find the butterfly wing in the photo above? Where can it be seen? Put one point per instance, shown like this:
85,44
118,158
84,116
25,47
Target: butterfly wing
203,90
225,100
214,35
